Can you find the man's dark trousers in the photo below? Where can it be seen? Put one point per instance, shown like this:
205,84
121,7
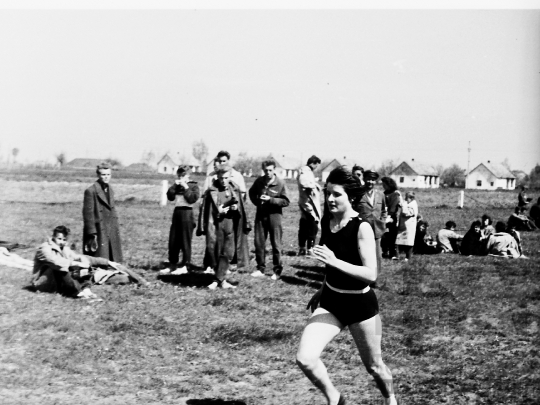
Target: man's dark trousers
268,224
181,235
307,231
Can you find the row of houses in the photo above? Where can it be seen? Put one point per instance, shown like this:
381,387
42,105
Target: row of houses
408,174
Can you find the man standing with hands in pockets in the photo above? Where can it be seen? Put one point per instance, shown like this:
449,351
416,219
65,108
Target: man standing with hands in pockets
269,194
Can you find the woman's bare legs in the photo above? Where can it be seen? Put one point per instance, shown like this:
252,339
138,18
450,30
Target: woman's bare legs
367,335
320,330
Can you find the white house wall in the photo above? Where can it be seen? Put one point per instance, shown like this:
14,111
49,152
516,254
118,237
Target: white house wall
408,181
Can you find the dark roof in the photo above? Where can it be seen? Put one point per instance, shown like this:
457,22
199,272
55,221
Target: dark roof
497,169
420,169
83,162
287,163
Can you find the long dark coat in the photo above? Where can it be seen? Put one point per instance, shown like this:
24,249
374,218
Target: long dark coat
100,218
206,226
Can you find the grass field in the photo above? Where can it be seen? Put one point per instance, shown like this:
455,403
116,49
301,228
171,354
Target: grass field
457,330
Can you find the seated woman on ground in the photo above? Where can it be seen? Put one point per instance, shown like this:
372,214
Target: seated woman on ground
520,221
472,245
447,239
423,242
515,234
502,244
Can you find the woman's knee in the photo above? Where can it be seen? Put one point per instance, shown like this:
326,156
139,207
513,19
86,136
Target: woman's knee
306,360
376,366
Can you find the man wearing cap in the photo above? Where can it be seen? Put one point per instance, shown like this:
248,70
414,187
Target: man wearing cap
372,207
309,200
101,232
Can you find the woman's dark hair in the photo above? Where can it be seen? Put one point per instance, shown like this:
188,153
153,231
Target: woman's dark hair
313,159
350,183
475,223
484,217
61,229
356,167
390,183
450,224
182,170
422,222
500,226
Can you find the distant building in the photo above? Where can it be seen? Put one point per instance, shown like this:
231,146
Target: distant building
491,176
83,163
287,167
328,167
140,168
169,165
415,175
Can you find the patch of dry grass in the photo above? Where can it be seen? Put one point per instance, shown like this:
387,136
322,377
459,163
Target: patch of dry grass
457,330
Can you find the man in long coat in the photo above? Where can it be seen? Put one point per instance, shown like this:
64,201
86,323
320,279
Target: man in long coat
372,207
224,221
101,233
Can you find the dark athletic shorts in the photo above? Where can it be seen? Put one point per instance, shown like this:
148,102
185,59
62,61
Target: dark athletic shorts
349,308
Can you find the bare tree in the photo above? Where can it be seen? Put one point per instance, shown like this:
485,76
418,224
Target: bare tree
200,151
61,158
386,167
148,157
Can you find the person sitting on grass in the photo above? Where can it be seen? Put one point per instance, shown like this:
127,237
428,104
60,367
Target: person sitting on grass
423,243
515,234
520,221
447,239
472,245
58,269
534,213
502,244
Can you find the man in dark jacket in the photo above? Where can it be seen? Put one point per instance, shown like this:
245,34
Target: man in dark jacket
185,194
372,207
269,194
225,223
101,233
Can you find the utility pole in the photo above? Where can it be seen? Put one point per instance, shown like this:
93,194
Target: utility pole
468,164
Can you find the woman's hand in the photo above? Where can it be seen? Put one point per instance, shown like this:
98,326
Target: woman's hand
314,301
325,255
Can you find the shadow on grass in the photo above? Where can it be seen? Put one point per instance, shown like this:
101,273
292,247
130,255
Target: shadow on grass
213,401
189,280
300,281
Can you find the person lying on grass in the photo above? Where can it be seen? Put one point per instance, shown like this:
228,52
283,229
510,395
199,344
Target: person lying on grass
348,250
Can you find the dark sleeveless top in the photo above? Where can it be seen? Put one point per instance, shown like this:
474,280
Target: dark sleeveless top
344,244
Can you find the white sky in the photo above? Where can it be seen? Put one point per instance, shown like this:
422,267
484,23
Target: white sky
363,83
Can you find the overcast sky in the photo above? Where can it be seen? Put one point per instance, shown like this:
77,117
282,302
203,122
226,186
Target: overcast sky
368,84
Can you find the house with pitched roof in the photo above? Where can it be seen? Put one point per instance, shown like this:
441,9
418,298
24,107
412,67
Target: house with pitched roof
169,165
328,167
286,167
411,174
491,176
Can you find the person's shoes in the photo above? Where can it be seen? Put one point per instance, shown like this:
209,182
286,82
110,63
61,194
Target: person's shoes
310,252
394,258
405,260
209,270
275,277
181,270
213,286
225,285
302,252
257,273
233,267
165,272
